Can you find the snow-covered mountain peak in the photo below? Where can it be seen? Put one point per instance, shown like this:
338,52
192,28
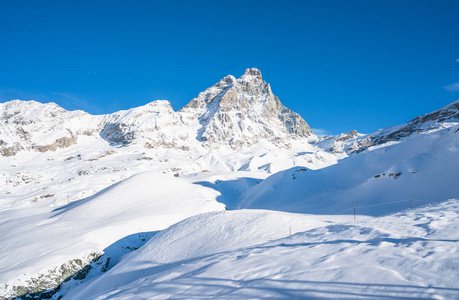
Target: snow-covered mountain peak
105,184
28,111
155,107
151,121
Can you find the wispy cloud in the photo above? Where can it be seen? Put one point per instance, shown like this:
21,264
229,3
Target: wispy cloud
319,131
457,60
453,87
74,102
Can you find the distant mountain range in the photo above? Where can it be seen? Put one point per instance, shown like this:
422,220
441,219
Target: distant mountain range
233,112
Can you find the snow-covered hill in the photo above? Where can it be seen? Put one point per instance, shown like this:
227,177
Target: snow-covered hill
48,245
421,164
250,254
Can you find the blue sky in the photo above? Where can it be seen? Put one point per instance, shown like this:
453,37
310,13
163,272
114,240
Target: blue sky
342,65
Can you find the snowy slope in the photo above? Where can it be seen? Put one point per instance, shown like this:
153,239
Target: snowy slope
249,254
423,166
38,242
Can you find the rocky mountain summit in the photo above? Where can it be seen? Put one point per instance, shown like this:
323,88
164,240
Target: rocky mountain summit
234,112
242,111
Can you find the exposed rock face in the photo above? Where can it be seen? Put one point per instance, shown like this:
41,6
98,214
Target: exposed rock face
243,111
62,142
45,285
347,136
427,122
340,141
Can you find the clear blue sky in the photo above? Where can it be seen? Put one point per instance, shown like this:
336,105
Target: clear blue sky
342,65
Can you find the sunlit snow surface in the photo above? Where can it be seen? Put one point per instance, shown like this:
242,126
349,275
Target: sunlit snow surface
249,254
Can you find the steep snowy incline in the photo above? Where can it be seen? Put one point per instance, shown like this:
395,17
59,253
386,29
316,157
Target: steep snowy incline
40,245
249,254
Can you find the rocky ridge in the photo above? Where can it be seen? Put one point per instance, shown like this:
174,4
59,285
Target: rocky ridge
354,142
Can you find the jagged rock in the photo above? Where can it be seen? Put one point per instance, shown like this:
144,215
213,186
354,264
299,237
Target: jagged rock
254,72
11,151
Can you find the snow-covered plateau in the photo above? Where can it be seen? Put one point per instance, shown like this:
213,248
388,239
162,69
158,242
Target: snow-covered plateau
233,196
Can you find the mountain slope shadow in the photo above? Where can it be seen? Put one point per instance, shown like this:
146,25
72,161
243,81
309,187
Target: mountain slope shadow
231,191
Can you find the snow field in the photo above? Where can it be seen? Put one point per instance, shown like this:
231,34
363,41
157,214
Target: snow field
249,254
144,202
